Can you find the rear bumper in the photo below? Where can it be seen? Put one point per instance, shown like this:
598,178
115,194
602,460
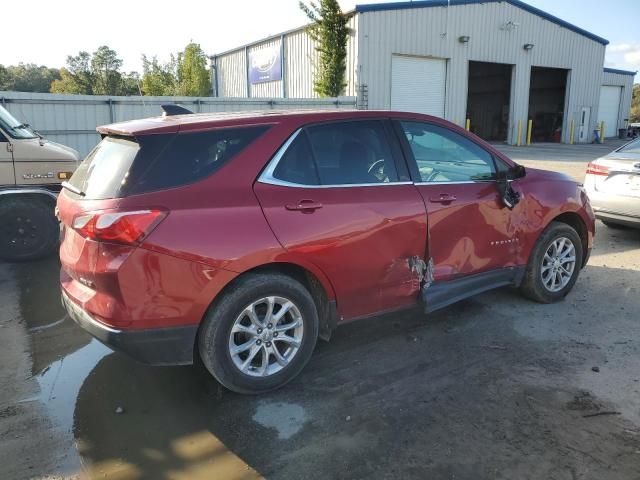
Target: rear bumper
153,346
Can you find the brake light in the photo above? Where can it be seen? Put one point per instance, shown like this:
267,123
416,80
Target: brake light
595,169
129,228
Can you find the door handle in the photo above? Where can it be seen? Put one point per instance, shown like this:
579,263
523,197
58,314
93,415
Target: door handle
443,198
304,205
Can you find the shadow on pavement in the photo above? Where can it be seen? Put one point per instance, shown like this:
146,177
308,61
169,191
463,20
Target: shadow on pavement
477,392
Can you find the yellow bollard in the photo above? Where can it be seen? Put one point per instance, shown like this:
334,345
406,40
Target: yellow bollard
572,131
468,125
519,141
529,129
602,132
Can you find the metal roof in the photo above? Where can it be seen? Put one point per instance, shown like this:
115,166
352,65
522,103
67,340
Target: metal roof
620,72
444,3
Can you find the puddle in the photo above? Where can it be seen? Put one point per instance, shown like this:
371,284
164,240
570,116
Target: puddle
60,384
286,418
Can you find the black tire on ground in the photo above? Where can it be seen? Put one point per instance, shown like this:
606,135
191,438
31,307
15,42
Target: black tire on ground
614,225
214,335
29,229
532,285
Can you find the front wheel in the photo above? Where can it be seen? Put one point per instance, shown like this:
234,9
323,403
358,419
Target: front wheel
554,264
260,334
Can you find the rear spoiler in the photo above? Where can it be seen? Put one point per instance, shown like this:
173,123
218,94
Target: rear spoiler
169,110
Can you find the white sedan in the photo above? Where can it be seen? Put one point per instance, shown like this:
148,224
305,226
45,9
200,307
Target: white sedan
613,185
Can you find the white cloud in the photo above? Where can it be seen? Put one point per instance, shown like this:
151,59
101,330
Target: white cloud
622,48
623,55
633,58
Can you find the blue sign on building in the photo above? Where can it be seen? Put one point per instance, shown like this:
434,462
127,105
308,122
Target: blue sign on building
265,65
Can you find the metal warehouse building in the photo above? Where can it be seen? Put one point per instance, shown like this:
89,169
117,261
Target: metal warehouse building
493,65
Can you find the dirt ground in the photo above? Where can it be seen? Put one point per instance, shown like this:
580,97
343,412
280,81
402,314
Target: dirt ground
495,387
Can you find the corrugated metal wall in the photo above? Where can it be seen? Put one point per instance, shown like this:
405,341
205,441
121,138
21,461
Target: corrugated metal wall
232,74
72,119
626,82
300,57
434,32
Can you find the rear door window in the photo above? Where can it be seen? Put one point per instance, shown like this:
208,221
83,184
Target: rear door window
339,153
121,166
351,153
297,164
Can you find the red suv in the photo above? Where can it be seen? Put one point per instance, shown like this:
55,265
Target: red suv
242,238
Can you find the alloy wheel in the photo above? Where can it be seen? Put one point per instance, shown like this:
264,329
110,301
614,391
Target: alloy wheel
558,264
266,336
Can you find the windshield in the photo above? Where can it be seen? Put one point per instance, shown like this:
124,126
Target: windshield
632,147
13,127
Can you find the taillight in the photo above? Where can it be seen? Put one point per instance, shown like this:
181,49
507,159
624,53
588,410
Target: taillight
129,228
595,169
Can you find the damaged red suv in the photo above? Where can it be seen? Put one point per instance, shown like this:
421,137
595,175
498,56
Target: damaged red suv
242,238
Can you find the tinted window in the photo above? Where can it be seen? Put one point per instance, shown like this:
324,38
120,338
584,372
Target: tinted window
445,156
352,153
297,164
125,166
104,170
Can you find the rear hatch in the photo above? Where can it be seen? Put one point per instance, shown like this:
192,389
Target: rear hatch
104,209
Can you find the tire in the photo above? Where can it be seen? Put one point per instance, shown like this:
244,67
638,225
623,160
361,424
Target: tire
28,229
215,339
613,225
533,285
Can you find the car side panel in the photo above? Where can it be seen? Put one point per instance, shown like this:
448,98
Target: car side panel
363,238
544,197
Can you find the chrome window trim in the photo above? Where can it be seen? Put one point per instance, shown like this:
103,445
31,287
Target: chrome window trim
267,177
462,182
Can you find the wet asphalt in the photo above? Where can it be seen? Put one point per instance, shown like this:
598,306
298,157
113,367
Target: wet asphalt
493,387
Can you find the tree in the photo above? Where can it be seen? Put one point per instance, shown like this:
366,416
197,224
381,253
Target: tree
5,78
130,84
158,79
76,77
27,77
105,69
635,104
194,78
95,74
329,29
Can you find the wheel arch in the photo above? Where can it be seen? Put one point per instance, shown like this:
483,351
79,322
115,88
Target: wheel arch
575,221
313,279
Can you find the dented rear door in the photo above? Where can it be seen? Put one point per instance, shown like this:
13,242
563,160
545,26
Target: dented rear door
363,235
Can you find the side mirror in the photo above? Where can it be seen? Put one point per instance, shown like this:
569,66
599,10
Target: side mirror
518,171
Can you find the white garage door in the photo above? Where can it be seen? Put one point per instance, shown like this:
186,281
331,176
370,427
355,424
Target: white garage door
418,85
609,109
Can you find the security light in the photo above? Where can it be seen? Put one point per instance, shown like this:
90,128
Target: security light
464,39
528,46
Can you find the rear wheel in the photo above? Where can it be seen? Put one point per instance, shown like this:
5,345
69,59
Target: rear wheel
28,229
260,334
554,264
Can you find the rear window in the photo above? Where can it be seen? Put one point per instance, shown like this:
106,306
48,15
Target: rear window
632,147
122,166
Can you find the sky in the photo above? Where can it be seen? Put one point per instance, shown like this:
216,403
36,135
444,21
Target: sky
45,32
